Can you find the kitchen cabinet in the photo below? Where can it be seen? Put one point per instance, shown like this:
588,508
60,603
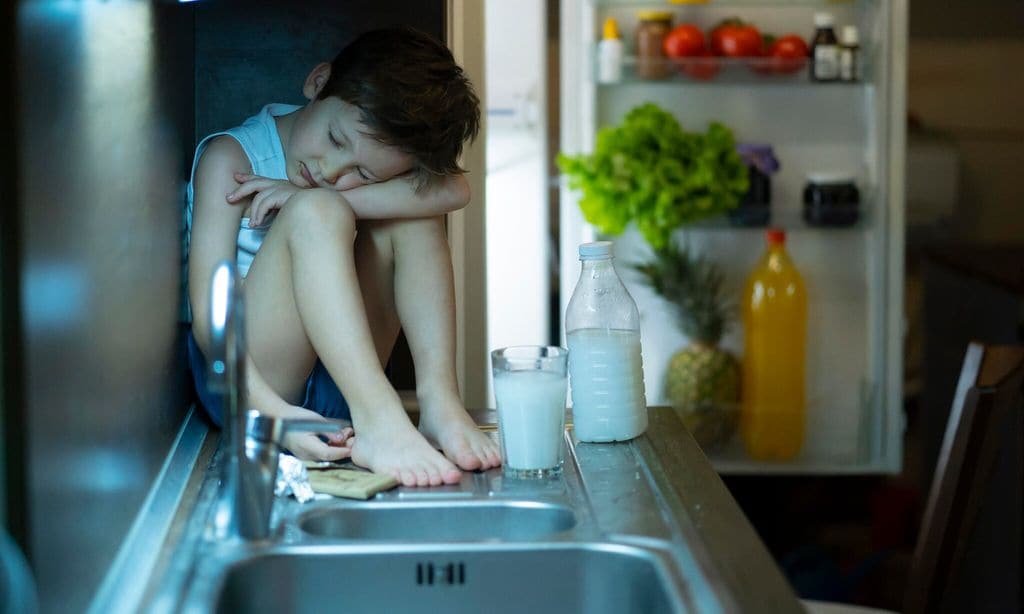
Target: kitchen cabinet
854,274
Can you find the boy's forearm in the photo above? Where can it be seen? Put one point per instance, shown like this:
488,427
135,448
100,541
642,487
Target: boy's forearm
398,199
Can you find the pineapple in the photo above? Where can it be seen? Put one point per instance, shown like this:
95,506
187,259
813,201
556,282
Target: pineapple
702,381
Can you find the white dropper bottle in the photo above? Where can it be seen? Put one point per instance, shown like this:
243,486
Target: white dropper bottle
610,53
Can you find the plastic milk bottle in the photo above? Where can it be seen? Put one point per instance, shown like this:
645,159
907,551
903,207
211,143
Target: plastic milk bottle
603,334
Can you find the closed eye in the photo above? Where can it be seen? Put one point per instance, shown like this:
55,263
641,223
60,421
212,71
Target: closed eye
334,141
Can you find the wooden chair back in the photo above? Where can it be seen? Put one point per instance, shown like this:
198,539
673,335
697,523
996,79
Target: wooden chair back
987,400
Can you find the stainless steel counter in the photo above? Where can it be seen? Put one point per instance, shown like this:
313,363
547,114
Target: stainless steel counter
645,525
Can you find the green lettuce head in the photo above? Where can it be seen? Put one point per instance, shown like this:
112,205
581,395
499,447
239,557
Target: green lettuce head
650,171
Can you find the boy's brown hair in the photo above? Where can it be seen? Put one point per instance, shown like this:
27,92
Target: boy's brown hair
412,94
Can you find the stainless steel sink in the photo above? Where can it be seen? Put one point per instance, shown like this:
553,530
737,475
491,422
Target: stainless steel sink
592,578
448,521
620,531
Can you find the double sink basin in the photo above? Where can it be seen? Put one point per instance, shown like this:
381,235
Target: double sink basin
600,538
472,557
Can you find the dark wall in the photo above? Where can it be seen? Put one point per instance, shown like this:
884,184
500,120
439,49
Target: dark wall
105,94
971,19
248,57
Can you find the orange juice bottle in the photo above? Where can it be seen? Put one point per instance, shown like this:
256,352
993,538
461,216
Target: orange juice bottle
775,333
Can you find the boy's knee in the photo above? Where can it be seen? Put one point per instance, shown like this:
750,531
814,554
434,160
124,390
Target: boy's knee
319,208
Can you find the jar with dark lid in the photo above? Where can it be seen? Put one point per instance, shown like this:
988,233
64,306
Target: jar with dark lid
651,29
831,199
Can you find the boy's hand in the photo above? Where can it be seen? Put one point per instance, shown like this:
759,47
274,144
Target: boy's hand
310,446
268,195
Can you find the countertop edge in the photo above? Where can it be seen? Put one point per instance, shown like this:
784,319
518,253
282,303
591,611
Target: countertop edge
695,492
128,579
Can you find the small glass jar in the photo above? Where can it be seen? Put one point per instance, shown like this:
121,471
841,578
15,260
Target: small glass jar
831,199
651,29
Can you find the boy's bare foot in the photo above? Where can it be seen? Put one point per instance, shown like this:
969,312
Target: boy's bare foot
400,451
460,438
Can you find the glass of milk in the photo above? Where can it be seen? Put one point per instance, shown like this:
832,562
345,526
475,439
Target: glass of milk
530,387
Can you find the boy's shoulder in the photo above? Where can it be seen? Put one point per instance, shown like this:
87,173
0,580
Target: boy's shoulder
224,152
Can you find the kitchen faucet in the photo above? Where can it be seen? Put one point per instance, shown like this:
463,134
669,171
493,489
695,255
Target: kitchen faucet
251,441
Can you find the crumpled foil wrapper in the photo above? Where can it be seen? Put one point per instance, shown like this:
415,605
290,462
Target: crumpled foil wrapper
292,479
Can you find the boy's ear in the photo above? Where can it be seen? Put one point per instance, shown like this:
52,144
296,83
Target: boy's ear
316,80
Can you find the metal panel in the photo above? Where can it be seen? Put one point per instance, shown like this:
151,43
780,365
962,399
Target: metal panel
105,119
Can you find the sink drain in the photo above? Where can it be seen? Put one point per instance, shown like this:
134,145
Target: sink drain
444,574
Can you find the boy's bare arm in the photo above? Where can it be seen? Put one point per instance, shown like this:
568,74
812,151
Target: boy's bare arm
303,445
397,198
215,224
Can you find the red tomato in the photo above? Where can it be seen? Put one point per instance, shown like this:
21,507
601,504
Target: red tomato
683,41
762,62
788,53
703,66
739,41
717,32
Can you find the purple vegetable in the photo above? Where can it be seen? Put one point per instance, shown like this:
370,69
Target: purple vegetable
759,156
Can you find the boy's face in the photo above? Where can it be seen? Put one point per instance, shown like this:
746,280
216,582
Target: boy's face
329,147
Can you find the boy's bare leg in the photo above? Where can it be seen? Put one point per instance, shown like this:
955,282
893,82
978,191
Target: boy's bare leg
303,301
424,297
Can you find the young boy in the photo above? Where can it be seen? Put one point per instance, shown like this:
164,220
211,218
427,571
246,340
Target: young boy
334,212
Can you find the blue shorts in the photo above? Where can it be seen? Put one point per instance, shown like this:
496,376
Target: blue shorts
322,394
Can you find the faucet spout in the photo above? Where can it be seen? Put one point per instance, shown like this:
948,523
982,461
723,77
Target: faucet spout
228,350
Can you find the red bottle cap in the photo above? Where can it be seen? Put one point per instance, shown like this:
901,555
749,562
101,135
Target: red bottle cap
775,236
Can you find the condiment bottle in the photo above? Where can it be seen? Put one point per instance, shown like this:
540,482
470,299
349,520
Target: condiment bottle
849,54
603,334
609,53
651,30
775,338
824,49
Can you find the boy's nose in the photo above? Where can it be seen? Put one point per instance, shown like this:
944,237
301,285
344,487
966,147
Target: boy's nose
331,172
333,166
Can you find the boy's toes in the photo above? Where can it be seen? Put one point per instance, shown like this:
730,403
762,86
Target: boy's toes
469,459
451,476
407,477
483,454
489,458
493,456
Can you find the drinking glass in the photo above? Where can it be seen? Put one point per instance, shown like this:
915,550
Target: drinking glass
529,387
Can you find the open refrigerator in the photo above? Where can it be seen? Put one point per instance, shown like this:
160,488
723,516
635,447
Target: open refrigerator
854,275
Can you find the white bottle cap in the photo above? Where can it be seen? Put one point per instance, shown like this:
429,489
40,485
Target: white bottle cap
595,250
823,20
849,35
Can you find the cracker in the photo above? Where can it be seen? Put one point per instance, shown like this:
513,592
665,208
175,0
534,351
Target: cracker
350,483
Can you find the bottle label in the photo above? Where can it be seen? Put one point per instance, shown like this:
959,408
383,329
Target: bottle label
826,62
